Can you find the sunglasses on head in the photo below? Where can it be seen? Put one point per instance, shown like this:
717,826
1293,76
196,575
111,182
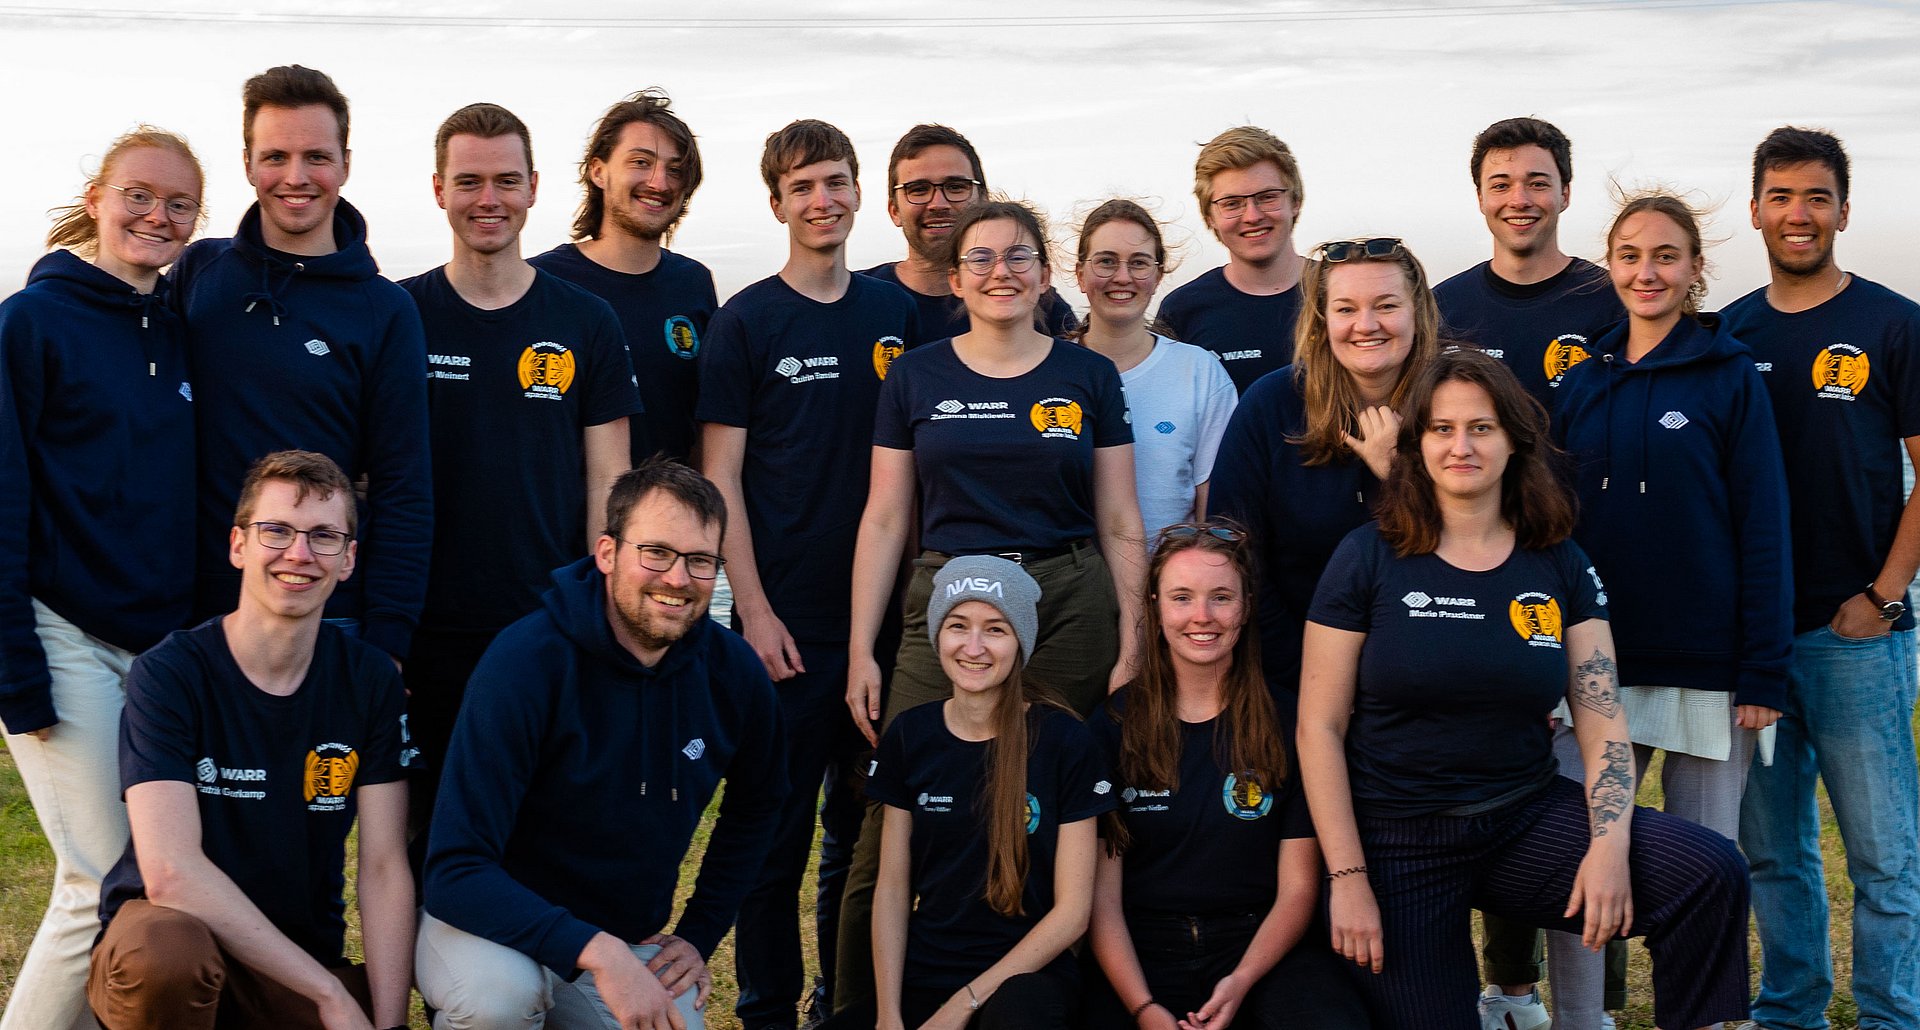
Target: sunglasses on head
1379,247
1183,530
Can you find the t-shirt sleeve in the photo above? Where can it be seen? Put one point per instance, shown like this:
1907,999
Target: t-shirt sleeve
157,726
726,372
1081,776
1586,594
1219,398
886,777
613,394
1906,337
1111,427
892,422
1296,820
388,750
1344,599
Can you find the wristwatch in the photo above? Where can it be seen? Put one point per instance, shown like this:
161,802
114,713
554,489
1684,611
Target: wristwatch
1890,611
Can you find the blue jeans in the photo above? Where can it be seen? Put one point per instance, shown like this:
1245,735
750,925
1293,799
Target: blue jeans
1849,721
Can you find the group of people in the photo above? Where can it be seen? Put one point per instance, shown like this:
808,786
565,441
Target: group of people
1191,670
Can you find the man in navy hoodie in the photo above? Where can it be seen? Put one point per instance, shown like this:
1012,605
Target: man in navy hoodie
593,735
296,341
1838,356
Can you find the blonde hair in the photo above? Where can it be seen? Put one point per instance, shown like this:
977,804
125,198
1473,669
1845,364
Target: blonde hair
1243,147
1332,399
74,226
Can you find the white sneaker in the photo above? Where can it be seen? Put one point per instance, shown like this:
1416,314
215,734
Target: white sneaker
1500,1011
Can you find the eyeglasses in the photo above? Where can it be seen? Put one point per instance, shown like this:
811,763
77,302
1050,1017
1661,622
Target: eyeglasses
1106,266
1184,530
1336,251
323,542
1268,201
957,191
980,260
655,558
139,200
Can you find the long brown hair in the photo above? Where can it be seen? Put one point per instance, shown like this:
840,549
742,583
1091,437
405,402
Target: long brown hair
1246,737
1021,702
1119,209
73,225
1534,498
1332,399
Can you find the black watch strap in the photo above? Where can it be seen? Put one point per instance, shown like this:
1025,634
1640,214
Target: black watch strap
1890,611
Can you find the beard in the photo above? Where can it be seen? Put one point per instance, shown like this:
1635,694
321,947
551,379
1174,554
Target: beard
652,628
643,227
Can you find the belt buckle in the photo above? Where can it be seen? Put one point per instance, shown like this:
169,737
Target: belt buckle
1016,557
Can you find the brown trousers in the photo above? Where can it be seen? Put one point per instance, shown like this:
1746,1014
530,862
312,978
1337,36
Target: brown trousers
160,969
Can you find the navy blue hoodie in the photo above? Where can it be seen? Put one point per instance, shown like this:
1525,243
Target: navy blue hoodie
1683,509
96,471
322,354
577,776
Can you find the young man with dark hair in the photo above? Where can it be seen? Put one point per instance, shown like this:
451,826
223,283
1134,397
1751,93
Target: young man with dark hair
641,169
1534,308
1530,305
529,392
934,174
593,735
1248,186
1839,356
788,390
248,747
296,340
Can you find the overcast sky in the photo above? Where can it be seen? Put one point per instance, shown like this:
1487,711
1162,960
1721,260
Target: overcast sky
1069,103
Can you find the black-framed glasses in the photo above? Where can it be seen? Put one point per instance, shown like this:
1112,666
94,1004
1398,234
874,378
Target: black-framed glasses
140,200
323,542
1106,266
1268,201
980,260
657,558
1184,530
1378,248
957,191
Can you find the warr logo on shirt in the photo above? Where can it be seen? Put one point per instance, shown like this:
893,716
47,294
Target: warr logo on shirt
1057,417
328,778
1564,352
546,371
1536,617
1840,372
682,341
885,349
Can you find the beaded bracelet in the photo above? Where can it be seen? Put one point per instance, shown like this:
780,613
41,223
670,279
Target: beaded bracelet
1142,1007
1338,873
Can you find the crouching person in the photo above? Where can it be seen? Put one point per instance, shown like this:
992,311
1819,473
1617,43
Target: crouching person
247,747
593,734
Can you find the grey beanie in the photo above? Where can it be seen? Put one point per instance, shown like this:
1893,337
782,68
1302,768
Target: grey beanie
998,582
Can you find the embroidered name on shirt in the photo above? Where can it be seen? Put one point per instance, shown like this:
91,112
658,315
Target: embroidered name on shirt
449,361
792,368
1239,355
210,774
1423,606
936,802
971,409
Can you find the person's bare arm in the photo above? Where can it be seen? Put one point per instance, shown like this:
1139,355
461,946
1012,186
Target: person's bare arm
607,447
723,456
884,528
1602,888
385,886
1858,617
1330,666
165,819
1116,508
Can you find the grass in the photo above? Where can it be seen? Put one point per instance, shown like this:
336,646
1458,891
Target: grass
26,872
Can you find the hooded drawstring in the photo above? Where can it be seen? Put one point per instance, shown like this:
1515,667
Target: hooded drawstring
1646,411
1606,467
268,293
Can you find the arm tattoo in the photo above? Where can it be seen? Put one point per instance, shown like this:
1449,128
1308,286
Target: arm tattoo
1612,789
1596,685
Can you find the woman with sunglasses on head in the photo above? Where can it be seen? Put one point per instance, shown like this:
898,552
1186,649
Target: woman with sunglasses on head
1440,639
1210,874
987,850
1307,448
96,521
1683,500
1180,396
1016,444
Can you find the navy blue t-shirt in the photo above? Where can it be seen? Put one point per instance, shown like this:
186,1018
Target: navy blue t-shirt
802,378
1539,329
1003,464
1459,671
1295,514
663,314
1845,382
509,394
276,775
1252,334
924,770
1210,846
941,317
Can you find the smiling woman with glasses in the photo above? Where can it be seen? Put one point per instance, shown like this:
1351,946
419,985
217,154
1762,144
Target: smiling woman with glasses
96,531
1305,453
1180,396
